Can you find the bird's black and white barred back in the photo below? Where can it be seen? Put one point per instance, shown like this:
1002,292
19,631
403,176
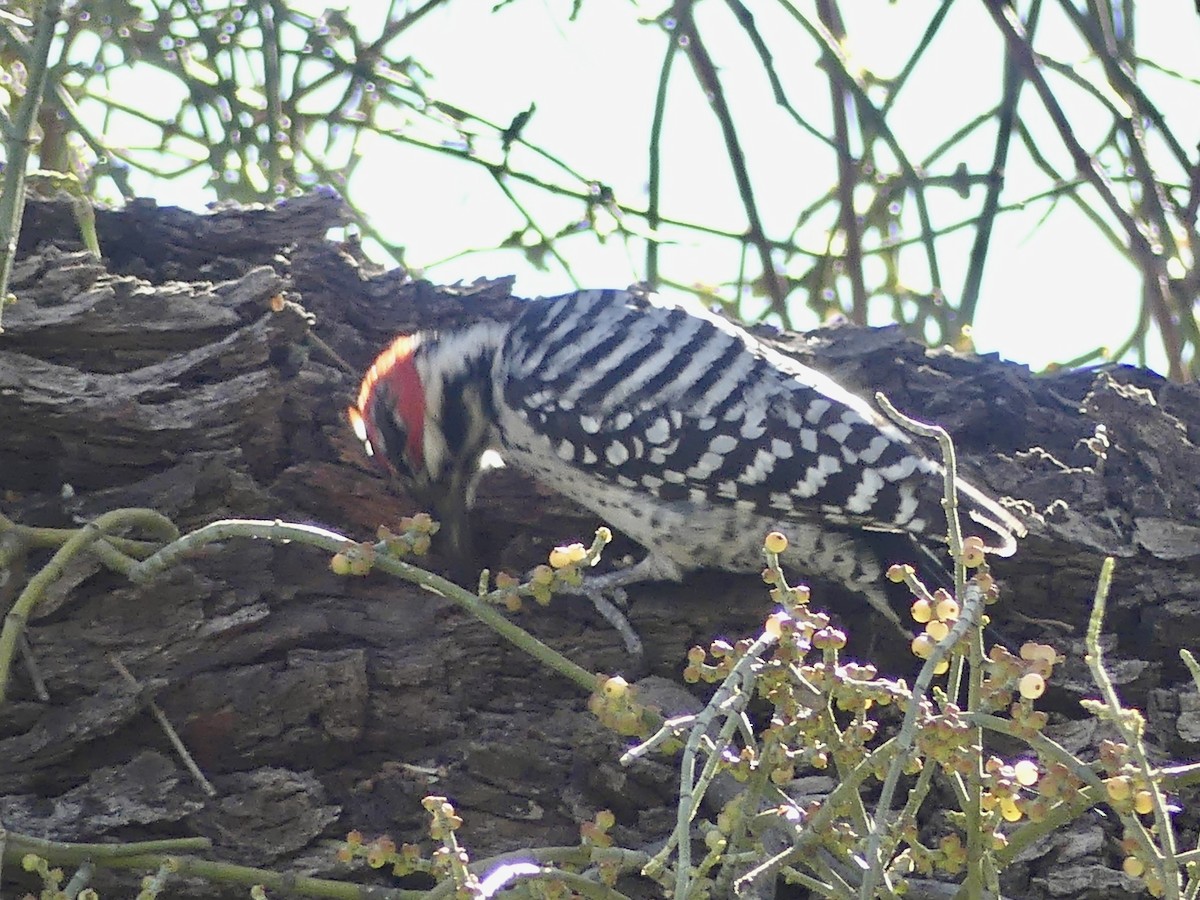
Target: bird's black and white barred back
676,426
686,406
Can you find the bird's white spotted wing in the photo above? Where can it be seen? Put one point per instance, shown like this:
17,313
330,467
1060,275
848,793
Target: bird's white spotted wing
687,407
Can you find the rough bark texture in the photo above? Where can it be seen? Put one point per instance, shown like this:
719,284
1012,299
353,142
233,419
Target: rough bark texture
161,377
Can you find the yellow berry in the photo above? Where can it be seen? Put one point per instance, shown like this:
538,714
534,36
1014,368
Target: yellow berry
542,575
1143,802
561,557
947,609
922,646
1026,772
776,542
776,623
937,630
921,611
1118,787
942,667
1031,686
896,573
340,564
1043,653
615,687
1009,809
973,556
1133,867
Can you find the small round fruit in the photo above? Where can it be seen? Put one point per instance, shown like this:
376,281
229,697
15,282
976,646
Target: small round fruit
1031,686
615,687
1118,788
776,542
947,609
922,646
1026,772
561,557
1009,809
340,564
937,630
1133,867
1143,802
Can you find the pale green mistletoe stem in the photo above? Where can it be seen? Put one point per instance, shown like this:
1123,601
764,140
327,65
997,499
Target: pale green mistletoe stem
727,702
83,539
971,617
18,142
281,532
1132,727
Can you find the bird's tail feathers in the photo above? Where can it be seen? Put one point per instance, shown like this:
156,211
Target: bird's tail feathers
992,516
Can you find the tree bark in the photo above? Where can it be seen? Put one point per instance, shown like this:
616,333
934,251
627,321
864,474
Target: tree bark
202,368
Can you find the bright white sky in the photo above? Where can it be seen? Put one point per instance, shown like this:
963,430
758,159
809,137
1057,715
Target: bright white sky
1052,290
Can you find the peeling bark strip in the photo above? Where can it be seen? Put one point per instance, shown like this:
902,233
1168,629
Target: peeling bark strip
162,377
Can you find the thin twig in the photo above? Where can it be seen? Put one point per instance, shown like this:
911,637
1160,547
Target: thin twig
35,589
981,867
746,20
1131,726
1157,284
165,724
34,673
1005,120
876,120
74,854
654,160
847,177
80,880
897,84
18,144
727,703
278,531
269,12
817,825
546,243
706,75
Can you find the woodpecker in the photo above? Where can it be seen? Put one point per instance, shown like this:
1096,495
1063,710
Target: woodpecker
673,425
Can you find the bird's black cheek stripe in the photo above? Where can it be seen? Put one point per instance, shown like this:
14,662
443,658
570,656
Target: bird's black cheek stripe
455,421
394,438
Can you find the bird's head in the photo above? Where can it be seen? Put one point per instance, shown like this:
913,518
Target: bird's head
425,415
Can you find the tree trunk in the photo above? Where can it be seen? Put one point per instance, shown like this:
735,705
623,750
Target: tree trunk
202,369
